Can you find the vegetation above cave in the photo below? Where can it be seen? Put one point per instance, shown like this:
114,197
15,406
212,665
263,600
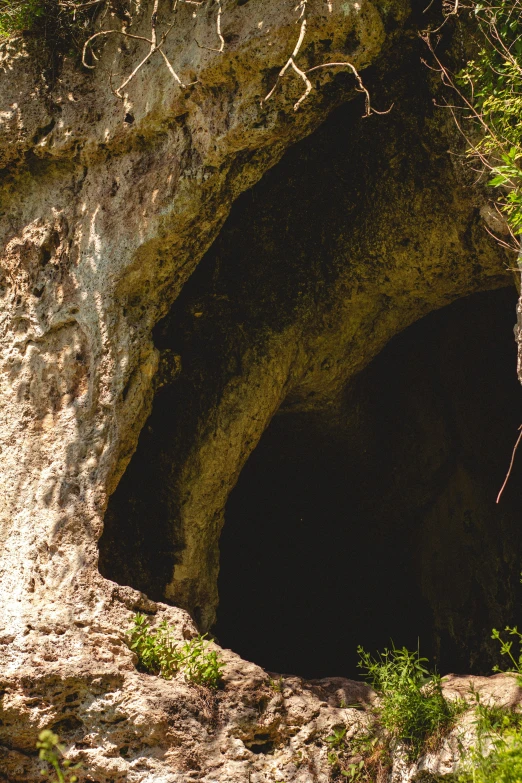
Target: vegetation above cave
58,23
489,113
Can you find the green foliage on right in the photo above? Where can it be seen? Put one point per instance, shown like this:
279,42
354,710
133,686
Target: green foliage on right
506,648
491,719
496,758
412,709
497,754
159,653
490,85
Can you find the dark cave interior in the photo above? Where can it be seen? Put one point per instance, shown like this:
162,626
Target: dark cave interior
380,523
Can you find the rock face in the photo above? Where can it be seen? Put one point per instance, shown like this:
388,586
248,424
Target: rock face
107,208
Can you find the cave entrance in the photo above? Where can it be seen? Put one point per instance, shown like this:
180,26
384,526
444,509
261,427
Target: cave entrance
379,522
361,522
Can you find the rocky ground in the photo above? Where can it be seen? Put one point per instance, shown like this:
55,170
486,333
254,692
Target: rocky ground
123,725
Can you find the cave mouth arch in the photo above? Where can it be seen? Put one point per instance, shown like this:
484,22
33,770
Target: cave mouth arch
379,522
336,249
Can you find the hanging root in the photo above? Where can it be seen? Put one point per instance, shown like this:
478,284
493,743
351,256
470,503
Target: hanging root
360,86
508,474
218,31
290,63
155,45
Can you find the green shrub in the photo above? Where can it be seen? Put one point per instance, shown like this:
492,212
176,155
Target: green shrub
159,653
412,707
411,712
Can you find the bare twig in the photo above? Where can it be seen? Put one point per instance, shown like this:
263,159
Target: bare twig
502,488
447,16
79,6
489,161
448,80
502,242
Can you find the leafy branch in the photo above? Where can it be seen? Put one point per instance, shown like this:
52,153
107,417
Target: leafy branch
490,112
51,751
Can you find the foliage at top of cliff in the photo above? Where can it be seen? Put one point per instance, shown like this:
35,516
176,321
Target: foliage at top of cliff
492,83
18,16
490,114
58,22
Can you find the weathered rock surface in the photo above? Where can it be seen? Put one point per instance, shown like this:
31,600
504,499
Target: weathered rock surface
106,210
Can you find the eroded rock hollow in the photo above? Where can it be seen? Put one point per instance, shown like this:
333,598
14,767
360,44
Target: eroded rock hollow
239,334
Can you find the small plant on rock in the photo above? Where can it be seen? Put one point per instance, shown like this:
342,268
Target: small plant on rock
412,708
51,752
336,744
199,664
276,685
159,653
506,648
